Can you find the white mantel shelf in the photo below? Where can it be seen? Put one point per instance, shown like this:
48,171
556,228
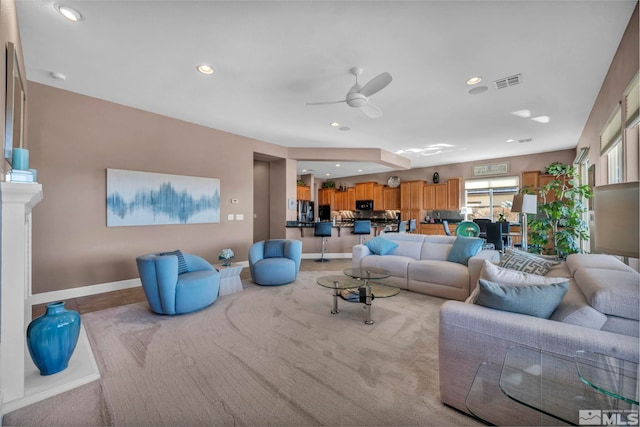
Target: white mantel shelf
20,381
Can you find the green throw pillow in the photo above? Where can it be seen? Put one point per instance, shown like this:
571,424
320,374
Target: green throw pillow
380,245
464,248
533,300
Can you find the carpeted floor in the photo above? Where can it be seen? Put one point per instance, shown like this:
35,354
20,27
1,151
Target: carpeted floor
267,356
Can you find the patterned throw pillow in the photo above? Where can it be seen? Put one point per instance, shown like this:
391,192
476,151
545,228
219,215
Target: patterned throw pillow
274,249
526,262
182,263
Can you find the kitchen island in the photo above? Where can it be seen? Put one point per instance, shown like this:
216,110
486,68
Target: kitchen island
342,238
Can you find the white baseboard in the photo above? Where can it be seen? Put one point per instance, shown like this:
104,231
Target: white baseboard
316,255
84,291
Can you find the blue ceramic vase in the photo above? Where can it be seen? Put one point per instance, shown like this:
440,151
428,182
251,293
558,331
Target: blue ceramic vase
52,337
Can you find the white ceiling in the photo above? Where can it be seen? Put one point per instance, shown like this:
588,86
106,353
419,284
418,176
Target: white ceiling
271,57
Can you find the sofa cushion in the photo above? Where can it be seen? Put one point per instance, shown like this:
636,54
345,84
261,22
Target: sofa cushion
464,248
443,273
396,265
612,292
494,273
381,246
409,245
533,300
526,262
274,248
575,310
182,263
577,261
435,251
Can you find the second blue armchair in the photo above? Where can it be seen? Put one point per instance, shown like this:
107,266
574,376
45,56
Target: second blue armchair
275,262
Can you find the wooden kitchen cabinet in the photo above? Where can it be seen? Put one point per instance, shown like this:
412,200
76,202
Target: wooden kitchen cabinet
441,197
364,190
429,197
378,197
411,200
341,201
529,180
454,187
351,199
391,198
303,192
326,196
437,229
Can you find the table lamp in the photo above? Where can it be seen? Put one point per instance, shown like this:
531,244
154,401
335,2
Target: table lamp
466,211
524,204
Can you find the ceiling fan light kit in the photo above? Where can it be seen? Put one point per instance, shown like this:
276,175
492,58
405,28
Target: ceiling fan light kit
358,96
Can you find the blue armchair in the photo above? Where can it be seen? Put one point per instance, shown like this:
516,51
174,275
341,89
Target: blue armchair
177,283
275,262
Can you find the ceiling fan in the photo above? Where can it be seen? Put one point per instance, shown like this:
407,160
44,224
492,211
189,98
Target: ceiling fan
358,96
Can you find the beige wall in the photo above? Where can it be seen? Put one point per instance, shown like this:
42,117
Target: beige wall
622,70
73,139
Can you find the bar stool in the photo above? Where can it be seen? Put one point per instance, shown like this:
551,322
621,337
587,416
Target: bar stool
361,227
322,229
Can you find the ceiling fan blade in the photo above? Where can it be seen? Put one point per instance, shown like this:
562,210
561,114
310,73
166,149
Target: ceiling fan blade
371,110
326,102
376,84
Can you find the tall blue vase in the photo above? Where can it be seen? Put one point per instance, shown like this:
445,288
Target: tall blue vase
52,337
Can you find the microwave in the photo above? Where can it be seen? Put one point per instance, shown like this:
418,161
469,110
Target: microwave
364,205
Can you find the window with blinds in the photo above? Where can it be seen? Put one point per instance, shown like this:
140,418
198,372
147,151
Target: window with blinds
612,132
632,103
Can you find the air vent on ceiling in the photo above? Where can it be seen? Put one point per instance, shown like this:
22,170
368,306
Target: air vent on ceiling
522,141
508,81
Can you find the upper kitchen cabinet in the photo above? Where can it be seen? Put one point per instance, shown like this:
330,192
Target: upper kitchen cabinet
378,197
303,192
411,194
391,198
364,190
454,187
326,197
351,199
441,196
429,196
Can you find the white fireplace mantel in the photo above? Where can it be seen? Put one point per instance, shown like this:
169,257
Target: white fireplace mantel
20,382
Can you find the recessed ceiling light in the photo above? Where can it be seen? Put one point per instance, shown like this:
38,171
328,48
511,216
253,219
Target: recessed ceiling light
304,170
542,119
334,124
337,165
510,140
68,12
327,174
58,76
474,80
360,170
478,89
205,69
522,113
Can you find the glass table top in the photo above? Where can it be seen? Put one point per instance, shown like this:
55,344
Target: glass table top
550,384
378,290
371,273
609,375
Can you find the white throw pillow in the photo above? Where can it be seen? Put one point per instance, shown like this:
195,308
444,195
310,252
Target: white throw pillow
506,276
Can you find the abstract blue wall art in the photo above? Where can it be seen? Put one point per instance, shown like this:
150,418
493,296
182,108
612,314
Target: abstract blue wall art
145,198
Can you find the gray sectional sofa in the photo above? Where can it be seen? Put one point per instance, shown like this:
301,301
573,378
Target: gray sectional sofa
419,264
599,313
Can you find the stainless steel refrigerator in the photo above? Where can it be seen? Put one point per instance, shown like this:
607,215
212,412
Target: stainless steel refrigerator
305,211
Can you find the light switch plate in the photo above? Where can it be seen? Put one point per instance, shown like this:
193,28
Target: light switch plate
229,217
239,217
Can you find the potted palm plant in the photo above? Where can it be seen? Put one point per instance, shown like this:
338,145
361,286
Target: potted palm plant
559,225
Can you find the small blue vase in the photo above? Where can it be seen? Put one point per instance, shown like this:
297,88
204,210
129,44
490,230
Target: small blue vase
52,338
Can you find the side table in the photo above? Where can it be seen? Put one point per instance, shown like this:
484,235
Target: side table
229,278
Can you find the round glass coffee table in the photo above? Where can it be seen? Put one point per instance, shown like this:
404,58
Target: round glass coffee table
356,286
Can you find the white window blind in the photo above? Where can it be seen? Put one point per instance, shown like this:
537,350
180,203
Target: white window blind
612,131
632,102
502,182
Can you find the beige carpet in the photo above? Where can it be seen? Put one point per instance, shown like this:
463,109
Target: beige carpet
267,356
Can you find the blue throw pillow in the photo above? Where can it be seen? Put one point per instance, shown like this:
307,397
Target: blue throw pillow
182,263
380,246
533,300
464,248
274,249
